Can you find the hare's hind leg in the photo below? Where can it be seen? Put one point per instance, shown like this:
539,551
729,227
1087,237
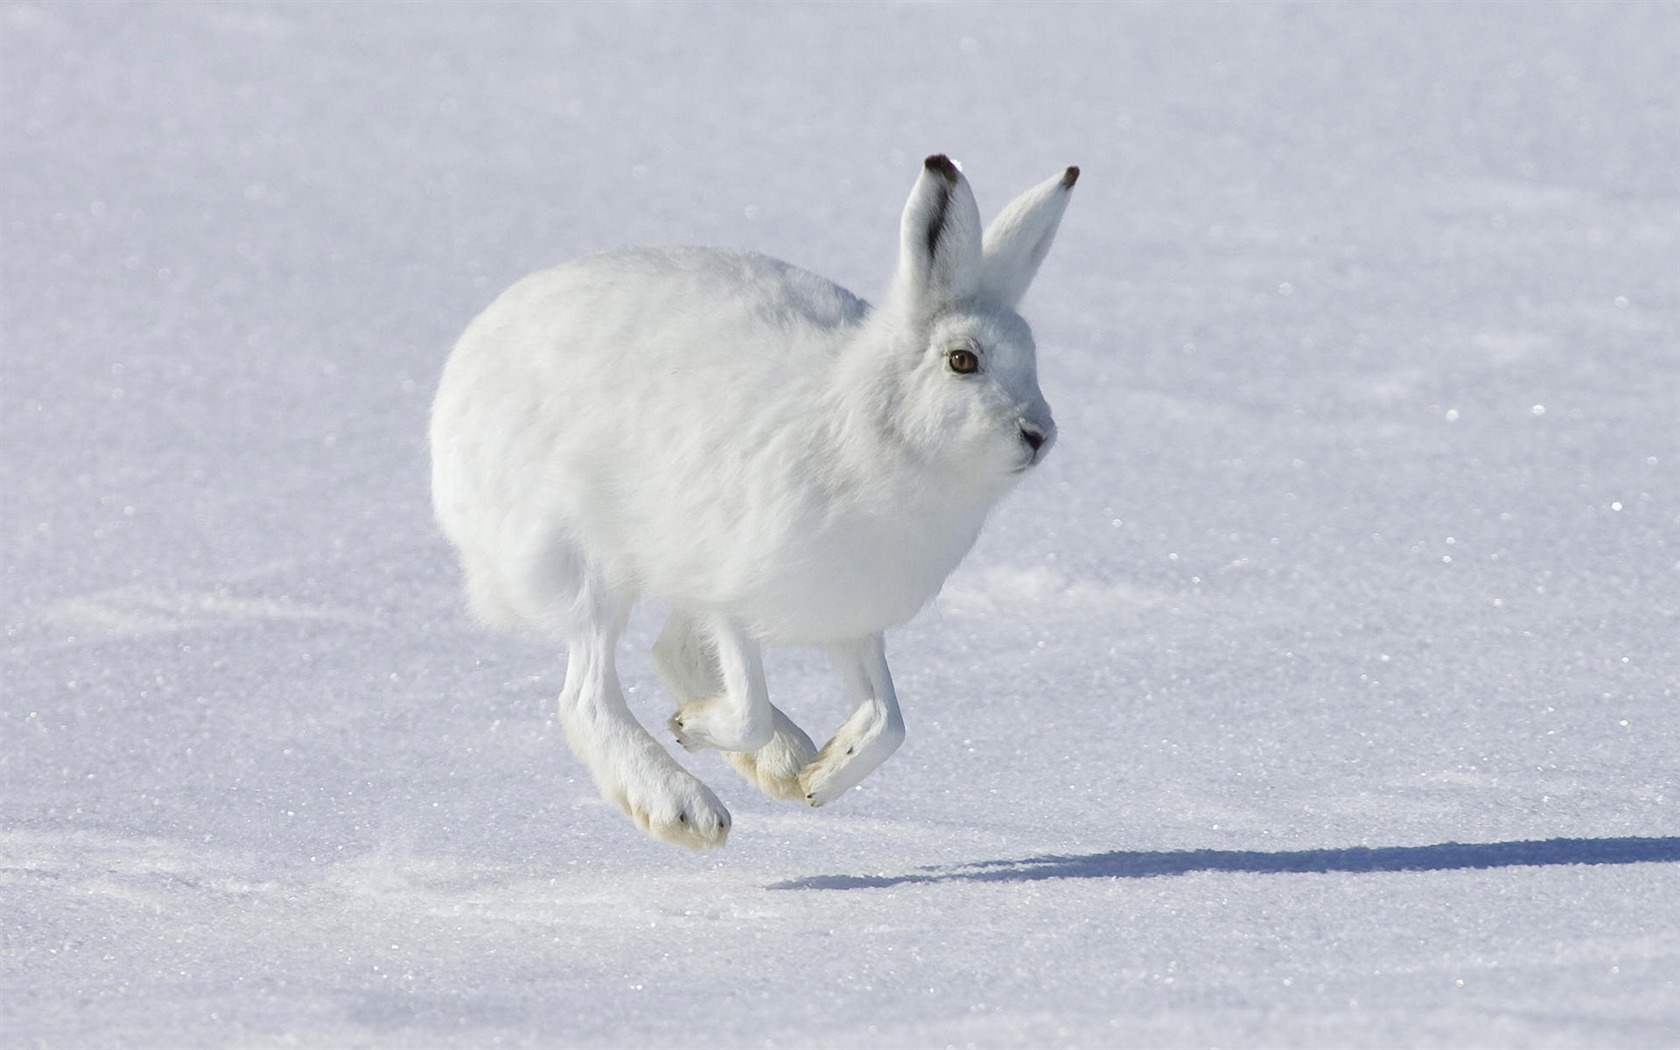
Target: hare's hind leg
872,733
690,659
631,769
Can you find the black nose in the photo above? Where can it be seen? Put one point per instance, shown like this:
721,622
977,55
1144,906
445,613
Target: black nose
1032,437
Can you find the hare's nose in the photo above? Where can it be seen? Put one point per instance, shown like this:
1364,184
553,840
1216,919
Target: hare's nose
1032,437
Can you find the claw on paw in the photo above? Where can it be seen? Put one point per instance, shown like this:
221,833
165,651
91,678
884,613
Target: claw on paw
714,723
697,831
669,805
679,730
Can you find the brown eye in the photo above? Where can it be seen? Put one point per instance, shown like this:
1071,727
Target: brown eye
963,362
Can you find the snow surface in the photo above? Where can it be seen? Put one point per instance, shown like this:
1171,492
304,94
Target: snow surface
1323,688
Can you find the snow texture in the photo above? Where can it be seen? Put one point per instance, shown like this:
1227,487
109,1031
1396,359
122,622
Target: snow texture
1322,688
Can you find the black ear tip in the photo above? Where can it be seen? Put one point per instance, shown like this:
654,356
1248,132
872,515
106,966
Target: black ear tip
1070,176
941,165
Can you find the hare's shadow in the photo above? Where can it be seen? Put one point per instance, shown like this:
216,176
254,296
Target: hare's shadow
1140,864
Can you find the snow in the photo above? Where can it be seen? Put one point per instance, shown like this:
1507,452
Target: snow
1322,688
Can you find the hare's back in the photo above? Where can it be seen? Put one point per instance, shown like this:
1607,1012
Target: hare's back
648,336
769,291
676,302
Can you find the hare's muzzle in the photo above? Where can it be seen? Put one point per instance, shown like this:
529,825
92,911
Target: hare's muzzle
1038,439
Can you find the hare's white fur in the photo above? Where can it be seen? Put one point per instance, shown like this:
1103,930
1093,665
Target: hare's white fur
755,448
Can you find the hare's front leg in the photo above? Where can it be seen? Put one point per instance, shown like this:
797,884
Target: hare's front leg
735,716
689,661
872,733
629,767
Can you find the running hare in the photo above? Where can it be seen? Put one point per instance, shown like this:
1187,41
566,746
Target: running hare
756,449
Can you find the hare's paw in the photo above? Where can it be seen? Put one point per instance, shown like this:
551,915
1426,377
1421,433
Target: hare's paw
774,768
717,723
673,807
856,750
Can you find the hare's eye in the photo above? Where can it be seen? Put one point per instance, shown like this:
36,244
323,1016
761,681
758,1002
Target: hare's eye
963,361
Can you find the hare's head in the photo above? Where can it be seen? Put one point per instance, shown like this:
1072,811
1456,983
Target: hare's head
967,374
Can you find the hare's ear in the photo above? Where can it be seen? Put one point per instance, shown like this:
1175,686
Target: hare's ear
939,249
1019,238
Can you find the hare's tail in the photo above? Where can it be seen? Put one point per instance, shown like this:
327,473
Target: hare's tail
487,599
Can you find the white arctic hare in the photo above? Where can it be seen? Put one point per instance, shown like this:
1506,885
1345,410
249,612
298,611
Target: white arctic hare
759,450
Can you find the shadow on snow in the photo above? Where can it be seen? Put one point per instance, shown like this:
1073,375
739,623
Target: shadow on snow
1142,864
